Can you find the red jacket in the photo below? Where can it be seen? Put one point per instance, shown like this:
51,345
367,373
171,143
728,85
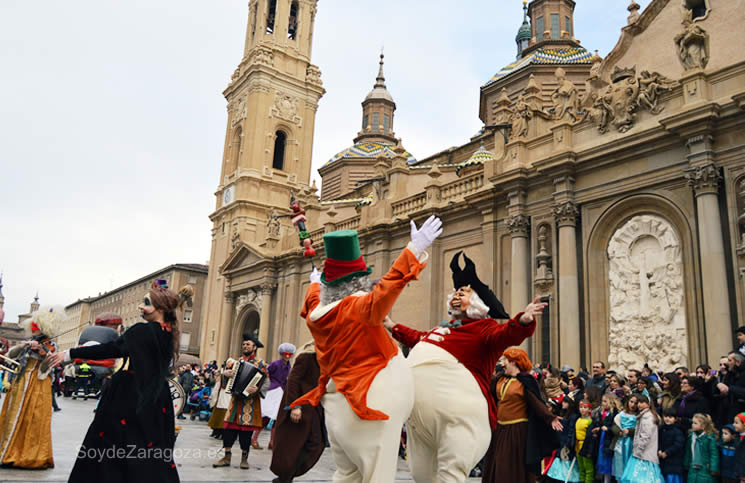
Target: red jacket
477,344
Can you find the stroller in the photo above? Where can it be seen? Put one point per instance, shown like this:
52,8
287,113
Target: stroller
198,404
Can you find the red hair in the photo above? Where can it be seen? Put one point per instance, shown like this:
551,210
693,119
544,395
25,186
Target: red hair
519,357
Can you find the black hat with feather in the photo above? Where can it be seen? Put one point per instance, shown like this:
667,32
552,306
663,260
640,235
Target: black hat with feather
467,277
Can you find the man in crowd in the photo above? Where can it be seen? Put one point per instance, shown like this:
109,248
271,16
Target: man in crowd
243,416
598,375
83,378
732,389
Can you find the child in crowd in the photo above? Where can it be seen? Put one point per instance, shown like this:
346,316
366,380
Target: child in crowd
671,447
702,456
581,434
624,425
564,467
644,464
610,405
739,425
727,450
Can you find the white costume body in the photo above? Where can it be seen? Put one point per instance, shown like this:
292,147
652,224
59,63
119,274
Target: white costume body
448,431
366,451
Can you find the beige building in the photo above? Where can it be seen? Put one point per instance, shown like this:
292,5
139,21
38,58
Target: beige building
615,186
124,301
16,332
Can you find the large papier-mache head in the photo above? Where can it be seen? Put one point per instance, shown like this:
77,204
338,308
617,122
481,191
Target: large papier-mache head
466,277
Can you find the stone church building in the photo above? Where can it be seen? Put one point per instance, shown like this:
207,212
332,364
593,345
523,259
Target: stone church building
614,185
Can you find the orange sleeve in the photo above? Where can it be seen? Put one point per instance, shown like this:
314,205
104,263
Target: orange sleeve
372,308
312,299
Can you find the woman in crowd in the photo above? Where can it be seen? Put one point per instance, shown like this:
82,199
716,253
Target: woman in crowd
136,411
670,391
692,400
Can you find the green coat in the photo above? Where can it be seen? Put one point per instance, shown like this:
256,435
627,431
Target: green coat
707,457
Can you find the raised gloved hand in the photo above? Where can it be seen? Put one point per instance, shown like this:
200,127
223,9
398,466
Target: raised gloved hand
315,276
424,236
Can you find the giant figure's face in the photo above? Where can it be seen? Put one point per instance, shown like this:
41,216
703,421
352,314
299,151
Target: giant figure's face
248,347
461,300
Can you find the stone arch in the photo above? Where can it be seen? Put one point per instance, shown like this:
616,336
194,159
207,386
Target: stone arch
597,269
248,321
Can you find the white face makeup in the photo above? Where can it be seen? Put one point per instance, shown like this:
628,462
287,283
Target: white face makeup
146,307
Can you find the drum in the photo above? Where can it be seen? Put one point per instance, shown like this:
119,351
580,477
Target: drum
177,395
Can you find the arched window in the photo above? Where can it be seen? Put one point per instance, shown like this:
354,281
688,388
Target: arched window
270,16
279,150
292,21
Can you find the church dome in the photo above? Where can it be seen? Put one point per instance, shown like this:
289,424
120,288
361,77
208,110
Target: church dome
480,157
370,150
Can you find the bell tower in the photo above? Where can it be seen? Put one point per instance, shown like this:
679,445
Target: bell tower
272,100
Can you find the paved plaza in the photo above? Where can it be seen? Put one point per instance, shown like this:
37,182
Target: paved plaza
195,452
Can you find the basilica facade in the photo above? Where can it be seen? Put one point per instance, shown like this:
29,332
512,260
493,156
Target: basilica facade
615,186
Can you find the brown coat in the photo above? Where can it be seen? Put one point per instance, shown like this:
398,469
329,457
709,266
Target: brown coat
298,446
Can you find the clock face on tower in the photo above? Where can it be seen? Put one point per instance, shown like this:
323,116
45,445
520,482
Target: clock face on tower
228,195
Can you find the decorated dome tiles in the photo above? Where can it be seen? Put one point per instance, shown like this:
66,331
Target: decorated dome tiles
370,150
481,156
575,55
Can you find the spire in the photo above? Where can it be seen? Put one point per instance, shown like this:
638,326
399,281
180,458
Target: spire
379,91
35,303
523,33
380,80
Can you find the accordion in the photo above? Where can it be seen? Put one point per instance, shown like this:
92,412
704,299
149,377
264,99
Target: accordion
245,375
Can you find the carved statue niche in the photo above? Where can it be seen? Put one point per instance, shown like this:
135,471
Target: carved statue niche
521,114
272,223
565,98
235,237
693,43
543,257
741,210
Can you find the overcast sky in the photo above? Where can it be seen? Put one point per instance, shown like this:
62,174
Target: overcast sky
113,121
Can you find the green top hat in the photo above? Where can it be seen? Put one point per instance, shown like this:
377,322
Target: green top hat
343,257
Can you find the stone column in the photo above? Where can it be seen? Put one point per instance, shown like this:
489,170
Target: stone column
226,326
566,214
705,182
265,316
520,271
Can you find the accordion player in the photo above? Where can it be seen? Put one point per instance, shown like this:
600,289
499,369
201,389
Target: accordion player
244,376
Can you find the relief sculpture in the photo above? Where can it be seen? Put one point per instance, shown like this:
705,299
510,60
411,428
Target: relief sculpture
647,297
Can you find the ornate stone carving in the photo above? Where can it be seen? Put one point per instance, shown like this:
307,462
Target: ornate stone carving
566,213
229,296
519,225
250,297
272,224
268,287
313,75
633,9
692,43
240,111
285,107
704,179
261,55
647,296
258,86
565,98
620,101
650,88
543,257
235,238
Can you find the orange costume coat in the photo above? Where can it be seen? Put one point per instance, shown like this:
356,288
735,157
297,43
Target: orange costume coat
352,345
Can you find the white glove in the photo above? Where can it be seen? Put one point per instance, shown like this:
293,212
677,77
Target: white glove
423,238
315,276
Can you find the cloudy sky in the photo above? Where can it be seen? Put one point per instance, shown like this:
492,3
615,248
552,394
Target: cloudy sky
113,121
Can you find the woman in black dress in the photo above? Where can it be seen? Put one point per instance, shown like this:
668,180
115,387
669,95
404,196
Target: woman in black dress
132,434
